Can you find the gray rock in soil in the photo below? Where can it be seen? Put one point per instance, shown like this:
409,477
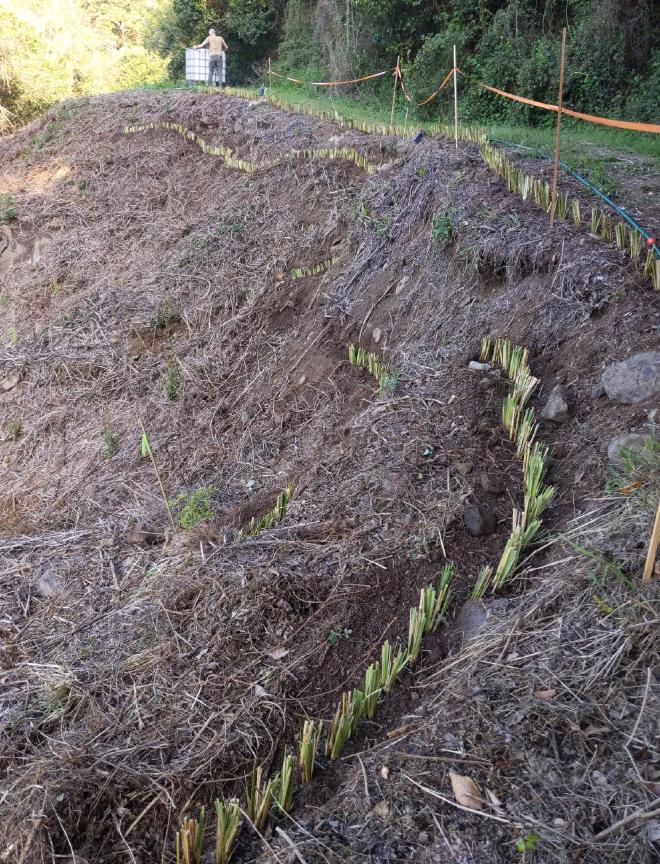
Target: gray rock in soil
479,520
48,585
478,367
491,483
633,380
556,408
634,441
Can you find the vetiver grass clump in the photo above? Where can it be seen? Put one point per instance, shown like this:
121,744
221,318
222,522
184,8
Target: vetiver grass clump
520,423
363,359
256,526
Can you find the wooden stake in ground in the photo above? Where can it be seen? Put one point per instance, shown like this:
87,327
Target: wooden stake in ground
560,101
270,75
396,81
145,438
455,100
653,549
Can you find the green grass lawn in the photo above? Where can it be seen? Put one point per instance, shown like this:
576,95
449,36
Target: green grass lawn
585,146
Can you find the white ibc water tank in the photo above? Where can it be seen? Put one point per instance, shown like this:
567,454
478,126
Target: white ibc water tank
197,65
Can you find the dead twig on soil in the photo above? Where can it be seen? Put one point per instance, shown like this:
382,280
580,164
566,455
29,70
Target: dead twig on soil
456,804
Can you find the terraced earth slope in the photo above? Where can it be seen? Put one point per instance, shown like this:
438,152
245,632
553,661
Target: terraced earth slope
148,286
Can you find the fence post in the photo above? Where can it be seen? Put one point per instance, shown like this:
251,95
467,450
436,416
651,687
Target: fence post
455,101
555,170
270,76
396,81
653,549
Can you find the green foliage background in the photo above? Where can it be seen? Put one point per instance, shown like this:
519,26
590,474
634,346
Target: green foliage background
52,49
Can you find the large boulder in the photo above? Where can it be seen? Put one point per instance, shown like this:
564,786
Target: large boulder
633,380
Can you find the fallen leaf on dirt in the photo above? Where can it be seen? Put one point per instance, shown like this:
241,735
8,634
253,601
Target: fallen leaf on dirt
10,381
466,791
382,810
259,690
595,730
494,800
385,772
278,653
545,694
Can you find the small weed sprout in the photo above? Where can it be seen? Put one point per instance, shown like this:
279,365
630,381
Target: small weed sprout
442,229
309,742
167,314
228,821
15,429
7,210
173,380
190,839
194,507
110,440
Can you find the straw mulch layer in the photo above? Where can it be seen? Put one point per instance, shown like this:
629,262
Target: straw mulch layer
144,670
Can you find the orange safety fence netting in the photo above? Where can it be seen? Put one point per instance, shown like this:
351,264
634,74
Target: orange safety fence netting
590,118
331,83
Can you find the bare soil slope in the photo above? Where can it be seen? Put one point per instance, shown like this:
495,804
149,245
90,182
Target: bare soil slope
143,671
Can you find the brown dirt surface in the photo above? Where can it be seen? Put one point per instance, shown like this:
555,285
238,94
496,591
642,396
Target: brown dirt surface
142,670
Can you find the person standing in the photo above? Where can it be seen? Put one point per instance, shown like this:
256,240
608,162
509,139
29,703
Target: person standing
217,47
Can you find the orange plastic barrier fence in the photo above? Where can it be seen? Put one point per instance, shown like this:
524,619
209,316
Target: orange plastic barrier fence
330,83
590,118
428,99
396,71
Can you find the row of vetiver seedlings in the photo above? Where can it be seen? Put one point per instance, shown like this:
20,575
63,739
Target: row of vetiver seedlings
348,153
528,187
363,359
272,517
467,133
381,675
520,423
261,792
321,267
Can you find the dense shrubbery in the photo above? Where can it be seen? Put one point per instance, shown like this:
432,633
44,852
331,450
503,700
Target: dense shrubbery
613,64
50,51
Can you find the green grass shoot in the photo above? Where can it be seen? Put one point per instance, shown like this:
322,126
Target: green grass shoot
309,742
372,688
416,630
284,791
228,821
391,665
190,839
482,583
260,794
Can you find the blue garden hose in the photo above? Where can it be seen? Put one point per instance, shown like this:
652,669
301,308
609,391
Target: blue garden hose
620,210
